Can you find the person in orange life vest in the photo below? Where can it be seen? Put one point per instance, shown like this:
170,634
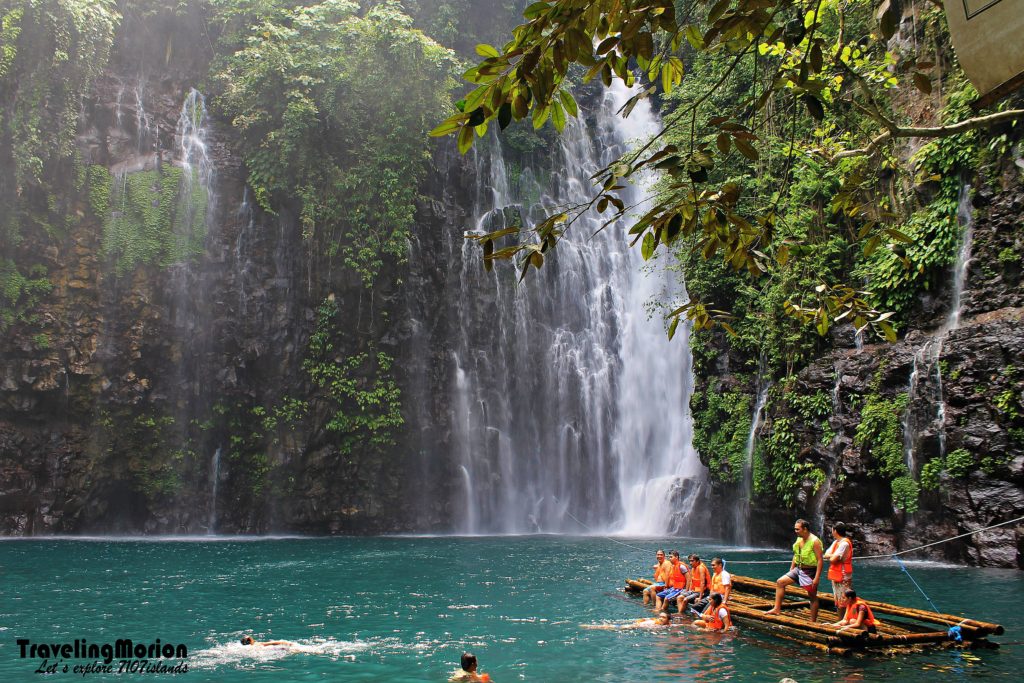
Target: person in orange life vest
662,572
699,583
840,565
676,583
716,616
805,568
858,614
721,583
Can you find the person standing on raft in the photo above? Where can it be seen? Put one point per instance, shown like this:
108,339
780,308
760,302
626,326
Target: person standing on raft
840,565
805,569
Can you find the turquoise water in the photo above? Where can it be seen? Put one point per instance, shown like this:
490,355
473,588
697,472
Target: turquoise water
404,609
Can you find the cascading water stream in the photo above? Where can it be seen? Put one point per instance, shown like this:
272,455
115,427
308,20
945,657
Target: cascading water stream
746,495
927,357
211,527
825,488
568,402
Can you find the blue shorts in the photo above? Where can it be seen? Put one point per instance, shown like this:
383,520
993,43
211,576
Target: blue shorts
670,593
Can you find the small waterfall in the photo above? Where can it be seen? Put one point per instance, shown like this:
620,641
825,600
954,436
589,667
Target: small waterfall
569,403
195,196
746,496
211,527
834,447
927,357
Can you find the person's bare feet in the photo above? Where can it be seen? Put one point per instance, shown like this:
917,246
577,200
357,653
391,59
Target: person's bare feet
774,611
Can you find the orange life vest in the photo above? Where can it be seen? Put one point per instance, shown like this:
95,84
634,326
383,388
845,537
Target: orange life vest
842,570
716,583
699,578
712,618
678,578
851,613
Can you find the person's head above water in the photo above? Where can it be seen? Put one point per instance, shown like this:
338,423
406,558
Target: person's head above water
663,618
247,640
468,662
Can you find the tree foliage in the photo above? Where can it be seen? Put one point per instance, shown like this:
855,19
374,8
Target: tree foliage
815,84
333,107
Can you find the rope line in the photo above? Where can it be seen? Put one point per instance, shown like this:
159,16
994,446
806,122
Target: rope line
607,538
917,585
896,554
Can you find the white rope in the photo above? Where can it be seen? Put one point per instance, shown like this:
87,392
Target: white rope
897,554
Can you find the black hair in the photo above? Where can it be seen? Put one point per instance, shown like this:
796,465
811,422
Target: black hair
715,598
468,661
247,640
804,524
693,558
840,528
717,560
675,553
852,594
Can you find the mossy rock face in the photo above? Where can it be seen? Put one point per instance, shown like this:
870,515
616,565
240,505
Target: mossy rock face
154,216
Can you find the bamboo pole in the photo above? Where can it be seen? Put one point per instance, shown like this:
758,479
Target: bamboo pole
849,634
876,639
827,649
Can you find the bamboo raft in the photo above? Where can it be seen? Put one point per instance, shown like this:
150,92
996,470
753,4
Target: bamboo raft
901,629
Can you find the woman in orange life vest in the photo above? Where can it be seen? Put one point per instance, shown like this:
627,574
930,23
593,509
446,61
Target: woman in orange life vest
840,564
716,616
858,614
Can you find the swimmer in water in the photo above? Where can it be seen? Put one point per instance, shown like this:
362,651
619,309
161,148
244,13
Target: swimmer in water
248,640
466,673
662,620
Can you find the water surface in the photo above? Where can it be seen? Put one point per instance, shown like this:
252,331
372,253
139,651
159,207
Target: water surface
404,609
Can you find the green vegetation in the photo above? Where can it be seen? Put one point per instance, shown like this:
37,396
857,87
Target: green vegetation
333,107
776,92
363,400
50,53
153,216
956,465
721,426
880,433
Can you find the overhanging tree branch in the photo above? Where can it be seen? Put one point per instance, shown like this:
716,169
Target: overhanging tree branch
932,132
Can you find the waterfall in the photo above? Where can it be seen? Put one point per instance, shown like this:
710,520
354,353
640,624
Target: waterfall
927,357
825,489
211,527
742,515
570,407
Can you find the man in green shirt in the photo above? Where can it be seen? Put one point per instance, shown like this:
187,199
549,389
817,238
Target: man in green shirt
804,570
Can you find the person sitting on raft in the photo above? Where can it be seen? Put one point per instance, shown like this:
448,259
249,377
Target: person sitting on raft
699,584
662,620
805,568
858,614
676,583
721,583
249,640
466,673
716,616
662,572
